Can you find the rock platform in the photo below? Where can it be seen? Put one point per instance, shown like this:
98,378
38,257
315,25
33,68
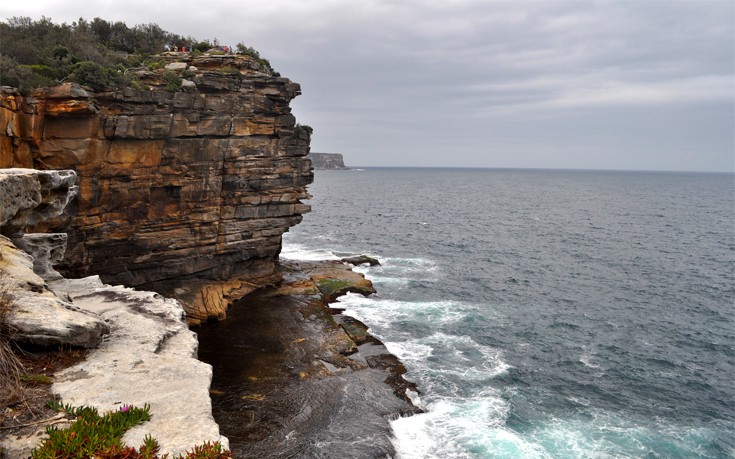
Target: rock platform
295,378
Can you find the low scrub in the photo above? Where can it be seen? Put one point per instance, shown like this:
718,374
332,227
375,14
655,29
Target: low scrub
100,436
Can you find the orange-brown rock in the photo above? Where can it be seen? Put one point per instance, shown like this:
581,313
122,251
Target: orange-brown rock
180,188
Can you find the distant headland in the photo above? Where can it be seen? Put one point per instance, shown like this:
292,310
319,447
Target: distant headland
328,161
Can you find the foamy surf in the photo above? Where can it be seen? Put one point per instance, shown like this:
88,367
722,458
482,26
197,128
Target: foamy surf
292,251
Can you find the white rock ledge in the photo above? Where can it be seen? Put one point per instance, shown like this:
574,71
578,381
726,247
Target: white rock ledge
148,357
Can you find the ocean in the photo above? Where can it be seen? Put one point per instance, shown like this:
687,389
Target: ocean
544,313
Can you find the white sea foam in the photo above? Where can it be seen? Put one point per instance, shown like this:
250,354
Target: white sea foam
300,252
410,264
383,314
458,428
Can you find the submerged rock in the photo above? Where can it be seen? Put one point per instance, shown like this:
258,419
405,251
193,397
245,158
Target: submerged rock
362,260
330,278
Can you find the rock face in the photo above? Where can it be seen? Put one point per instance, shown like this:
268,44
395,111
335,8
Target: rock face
46,249
328,161
34,313
183,190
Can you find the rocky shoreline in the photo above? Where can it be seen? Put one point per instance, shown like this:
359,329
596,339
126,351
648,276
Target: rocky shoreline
317,384
294,377
186,192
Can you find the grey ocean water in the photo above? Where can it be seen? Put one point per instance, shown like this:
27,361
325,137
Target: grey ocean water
545,314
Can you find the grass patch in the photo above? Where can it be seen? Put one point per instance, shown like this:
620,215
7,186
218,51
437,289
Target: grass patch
36,379
11,368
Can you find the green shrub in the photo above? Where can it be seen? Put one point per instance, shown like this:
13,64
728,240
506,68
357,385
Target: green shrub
300,129
43,70
155,65
95,76
99,436
171,80
244,50
203,46
90,434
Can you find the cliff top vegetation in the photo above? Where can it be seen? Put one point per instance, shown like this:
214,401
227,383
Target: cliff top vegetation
96,53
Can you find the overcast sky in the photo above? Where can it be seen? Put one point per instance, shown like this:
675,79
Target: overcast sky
645,84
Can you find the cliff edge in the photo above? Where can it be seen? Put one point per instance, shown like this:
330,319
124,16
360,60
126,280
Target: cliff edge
186,183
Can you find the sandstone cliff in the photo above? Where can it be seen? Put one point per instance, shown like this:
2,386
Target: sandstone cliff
143,351
184,190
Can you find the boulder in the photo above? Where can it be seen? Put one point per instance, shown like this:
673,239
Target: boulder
176,66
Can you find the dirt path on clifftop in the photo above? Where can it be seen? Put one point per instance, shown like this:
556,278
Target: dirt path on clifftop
289,382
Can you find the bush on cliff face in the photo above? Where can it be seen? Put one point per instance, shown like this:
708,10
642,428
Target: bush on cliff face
171,80
97,77
303,129
244,50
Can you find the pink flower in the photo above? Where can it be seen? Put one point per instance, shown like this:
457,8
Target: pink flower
125,408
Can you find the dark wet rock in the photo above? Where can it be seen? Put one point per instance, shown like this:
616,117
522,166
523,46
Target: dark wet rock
362,260
294,379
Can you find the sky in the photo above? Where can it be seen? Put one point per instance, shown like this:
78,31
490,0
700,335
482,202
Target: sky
582,84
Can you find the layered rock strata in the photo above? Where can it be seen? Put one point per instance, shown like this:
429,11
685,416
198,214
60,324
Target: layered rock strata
144,351
185,189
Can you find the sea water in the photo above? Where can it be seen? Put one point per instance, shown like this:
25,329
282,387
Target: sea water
545,314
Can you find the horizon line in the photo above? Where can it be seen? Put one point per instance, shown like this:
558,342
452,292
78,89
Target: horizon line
560,169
